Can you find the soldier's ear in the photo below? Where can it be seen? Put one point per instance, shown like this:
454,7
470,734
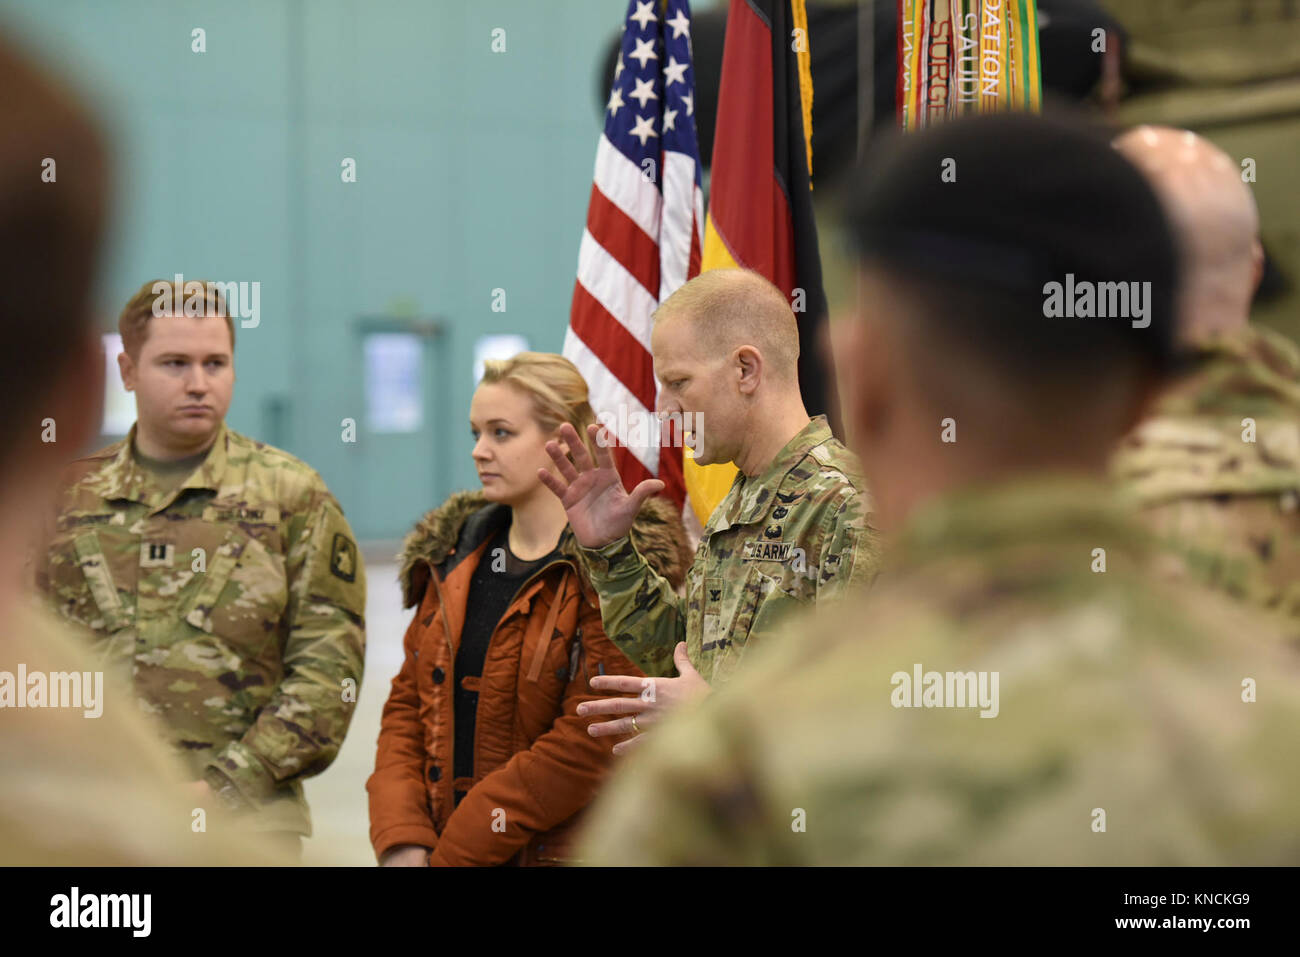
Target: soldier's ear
749,366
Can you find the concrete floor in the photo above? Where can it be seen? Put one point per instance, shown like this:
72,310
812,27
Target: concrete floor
339,807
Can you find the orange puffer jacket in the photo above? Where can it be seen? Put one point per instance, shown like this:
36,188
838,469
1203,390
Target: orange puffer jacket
535,766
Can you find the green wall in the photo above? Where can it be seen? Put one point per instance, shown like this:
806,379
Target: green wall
473,172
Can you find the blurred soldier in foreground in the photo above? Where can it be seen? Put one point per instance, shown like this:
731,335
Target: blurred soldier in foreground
792,530
1217,462
216,570
83,778
1015,689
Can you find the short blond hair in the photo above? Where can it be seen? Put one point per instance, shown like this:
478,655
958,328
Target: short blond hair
730,308
133,323
556,387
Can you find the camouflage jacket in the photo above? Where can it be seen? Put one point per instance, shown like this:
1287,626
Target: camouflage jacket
1216,468
1122,728
796,534
95,787
236,602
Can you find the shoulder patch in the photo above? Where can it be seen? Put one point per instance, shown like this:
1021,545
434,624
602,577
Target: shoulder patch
832,456
343,558
823,454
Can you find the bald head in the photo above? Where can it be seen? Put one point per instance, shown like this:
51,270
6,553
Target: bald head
730,308
1214,216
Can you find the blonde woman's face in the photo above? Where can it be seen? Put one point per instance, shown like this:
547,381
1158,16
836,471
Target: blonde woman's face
509,445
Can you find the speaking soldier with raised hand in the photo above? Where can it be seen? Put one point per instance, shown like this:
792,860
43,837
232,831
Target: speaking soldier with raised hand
792,531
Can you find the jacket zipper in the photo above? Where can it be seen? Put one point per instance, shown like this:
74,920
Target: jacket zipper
442,607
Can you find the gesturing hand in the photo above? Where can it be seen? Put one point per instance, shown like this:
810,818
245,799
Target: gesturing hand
598,508
655,698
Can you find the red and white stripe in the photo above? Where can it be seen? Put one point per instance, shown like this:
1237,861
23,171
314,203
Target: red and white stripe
639,247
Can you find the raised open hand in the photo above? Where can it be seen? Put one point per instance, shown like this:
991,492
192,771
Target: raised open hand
599,509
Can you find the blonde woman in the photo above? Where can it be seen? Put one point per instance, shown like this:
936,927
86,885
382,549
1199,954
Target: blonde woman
482,758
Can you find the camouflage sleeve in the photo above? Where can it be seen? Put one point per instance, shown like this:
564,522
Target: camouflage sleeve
685,798
849,557
641,611
298,732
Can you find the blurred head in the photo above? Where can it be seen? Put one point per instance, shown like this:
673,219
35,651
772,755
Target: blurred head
517,408
180,367
726,349
1215,221
952,317
53,200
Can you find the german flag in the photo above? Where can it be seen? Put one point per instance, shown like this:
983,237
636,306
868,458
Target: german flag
760,202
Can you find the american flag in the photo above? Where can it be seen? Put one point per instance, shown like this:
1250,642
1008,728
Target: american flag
644,233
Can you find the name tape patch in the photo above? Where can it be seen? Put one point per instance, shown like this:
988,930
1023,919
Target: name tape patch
761,551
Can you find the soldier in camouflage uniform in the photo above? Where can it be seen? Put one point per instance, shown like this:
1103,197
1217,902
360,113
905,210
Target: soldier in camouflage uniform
82,783
786,538
1122,721
1216,464
793,529
223,579
1217,469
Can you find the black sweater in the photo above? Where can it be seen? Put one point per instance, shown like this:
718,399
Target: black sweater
490,594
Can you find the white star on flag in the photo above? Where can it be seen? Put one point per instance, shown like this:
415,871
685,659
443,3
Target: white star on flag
644,230
644,129
645,50
643,14
674,72
645,90
689,100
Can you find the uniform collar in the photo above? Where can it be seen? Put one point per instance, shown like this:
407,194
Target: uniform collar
755,494
1266,356
1252,359
1253,343
124,478
212,473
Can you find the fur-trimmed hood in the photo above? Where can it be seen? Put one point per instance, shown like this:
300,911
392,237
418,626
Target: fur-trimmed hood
458,526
